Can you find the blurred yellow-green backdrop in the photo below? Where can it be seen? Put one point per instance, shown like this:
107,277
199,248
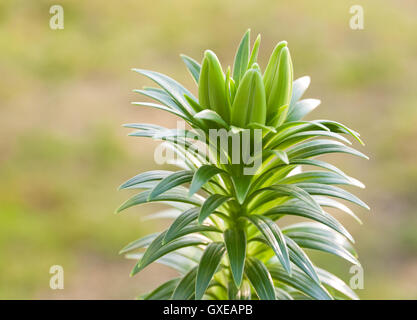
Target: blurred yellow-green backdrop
65,93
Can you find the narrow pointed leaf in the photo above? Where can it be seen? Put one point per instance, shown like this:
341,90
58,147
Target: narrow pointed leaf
192,66
163,292
173,195
335,283
316,236
212,86
338,127
242,185
207,267
302,108
260,279
174,260
299,87
331,191
235,240
318,147
140,243
156,249
211,116
272,67
210,205
181,222
202,176
185,289
165,98
286,190
332,203
274,237
172,87
282,155
321,177
249,105
301,260
280,95
242,58
282,294
155,175
300,281
302,211
254,55
173,180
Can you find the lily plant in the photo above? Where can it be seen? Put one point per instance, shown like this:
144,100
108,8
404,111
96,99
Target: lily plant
230,237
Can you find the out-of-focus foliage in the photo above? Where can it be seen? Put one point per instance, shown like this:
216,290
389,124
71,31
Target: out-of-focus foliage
62,93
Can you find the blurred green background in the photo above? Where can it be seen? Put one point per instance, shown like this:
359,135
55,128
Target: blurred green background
65,93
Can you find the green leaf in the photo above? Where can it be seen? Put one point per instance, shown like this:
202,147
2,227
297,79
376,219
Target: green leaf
299,281
202,176
302,108
242,58
155,175
164,108
192,66
185,289
335,283
235,240
194,228
332,203
280,94
306,135
299,87
298,209
174,195
163,97
255,50
139,243
301,260
157,250
272,67
249,105
163,214
242,185
285,190
212,86
318,163
288,129
174,260
266,129
321,177
260,279
338,127
282,294
230,88
207,267
210,205
183,220
173,180
274,237
163,292
316,236
172,87
282,155
194,104
213,116
318,147
331,191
